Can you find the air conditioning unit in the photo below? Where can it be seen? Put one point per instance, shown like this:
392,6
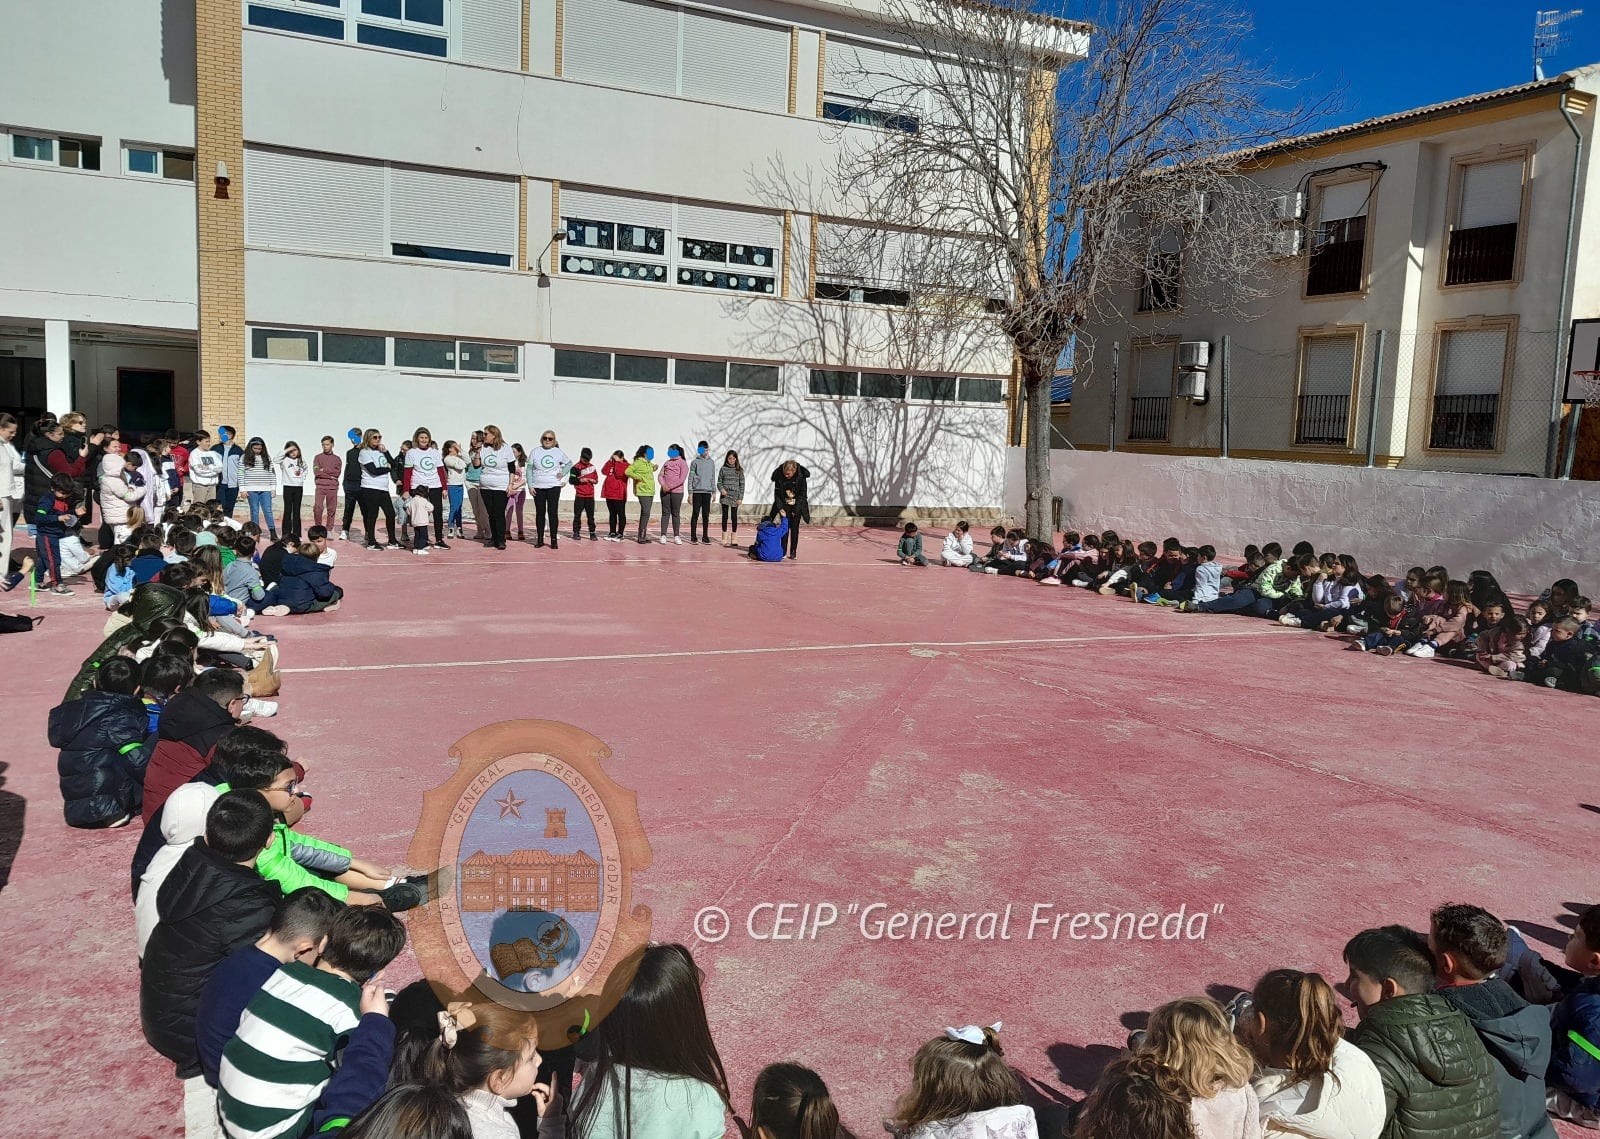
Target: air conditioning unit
1288,206
1194,355
1192,385
1285,242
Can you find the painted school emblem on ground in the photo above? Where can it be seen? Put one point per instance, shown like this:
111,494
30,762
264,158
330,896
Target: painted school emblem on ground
538,848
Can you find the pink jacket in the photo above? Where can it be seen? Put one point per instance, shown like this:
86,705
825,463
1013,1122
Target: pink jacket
674,473
1443,629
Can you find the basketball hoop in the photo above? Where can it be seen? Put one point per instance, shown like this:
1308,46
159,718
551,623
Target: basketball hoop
1588,388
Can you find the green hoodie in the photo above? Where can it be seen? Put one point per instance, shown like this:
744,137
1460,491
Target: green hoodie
1269,582
643,474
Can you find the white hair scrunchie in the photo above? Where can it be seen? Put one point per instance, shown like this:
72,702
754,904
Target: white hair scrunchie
971,1034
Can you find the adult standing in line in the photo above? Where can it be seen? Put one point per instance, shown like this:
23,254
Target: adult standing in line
11,486
702,485
205,469
789,499
232,460
352,483
426,464
46,458
79,444
474,476
496,462
547,469
377,488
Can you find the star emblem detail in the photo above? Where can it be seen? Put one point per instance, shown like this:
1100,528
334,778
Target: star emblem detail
510,805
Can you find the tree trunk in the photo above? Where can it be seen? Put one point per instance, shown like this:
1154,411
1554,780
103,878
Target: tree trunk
1036,378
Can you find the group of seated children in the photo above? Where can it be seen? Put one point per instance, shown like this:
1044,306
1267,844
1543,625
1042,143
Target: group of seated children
1552,643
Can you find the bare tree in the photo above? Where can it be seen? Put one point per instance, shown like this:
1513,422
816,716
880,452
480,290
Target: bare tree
1060,189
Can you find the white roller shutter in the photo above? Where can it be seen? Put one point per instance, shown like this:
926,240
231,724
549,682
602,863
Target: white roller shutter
1491,194
1346,200
625,209
625,43
307,201
868,72
456,211
1155,370
1473,361
1330,365
719,223
491,32
859,253
735,62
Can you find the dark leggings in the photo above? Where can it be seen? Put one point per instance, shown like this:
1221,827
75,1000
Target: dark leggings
373,501
547,504
700,511
494,509
435,495
352,495
730,512
291,511
580,508
791,540
617,517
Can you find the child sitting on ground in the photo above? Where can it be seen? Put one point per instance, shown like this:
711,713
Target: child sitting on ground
1251,565
1573,1079
104,744
1207,579
161,677
957,550
275,1073
909,551
485,1054
792,1102
241,579
961,1088
1566,660
119,577
992,557
1193,1039
1123,578
770,533
1135,1096
1502,649
1396,632
1445,625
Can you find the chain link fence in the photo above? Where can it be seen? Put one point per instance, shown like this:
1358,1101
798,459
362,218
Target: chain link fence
1473,396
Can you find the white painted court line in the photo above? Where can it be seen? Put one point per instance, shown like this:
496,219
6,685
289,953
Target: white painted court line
785,649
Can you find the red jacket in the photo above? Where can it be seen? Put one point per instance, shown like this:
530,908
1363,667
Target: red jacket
587,477
616,484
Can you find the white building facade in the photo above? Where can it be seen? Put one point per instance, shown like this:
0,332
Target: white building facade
302,216
1424,280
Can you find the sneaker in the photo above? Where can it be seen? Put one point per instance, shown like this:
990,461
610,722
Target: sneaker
440,546
275,611
373,546
1238,1008
261,709
1421,652
122,822
403,896
394,546
678,540
1383,651
344,535
1050,581
592,537
421,553
1549,682
1356,647
61,589
1137,593
644,541
555,544
11,582
991,570
1289,621
1496,670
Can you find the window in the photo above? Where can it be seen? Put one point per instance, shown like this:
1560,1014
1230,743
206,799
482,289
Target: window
444,253
1483,238
830,383
1152,392
753,377
1338,248
283,344
875,385
500,359
722,253
670,242
939,389
379,35
860,264
977,390
583,365
873,86
701,373
646,243
1163,269
156,162
417,26
431,354
49,150
844,109
1327,379
641,369
347,348
1469,378
279,19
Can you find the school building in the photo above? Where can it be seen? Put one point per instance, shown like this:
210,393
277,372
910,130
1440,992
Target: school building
302,216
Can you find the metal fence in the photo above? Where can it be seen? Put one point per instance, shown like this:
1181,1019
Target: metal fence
1470,396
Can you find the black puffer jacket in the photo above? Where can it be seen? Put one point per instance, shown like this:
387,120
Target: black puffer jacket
103,756
209,907
1517,1037
1436,1074
789,493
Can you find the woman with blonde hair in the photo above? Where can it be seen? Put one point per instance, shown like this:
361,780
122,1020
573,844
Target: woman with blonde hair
1311,1080
496,463
1193,1039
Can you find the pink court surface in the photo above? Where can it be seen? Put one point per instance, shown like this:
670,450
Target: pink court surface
847,731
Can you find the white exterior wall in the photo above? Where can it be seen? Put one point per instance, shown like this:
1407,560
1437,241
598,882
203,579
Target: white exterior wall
1407,234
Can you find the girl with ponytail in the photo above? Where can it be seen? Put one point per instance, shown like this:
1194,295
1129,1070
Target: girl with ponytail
1311,1081
961,1088
792,1102
485,1056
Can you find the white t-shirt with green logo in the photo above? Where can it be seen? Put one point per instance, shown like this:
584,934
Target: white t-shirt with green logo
425,467
497,467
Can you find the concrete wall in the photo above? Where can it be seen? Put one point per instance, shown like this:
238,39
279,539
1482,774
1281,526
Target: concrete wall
1529,532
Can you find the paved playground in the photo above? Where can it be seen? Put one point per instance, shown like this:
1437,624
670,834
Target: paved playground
872,739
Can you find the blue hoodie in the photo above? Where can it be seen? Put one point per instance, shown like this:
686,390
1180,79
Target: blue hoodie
769,539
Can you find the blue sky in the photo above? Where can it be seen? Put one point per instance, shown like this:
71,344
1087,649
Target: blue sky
1393,55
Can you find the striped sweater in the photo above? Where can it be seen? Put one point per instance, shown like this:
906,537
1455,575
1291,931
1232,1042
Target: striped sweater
277,1064
257,478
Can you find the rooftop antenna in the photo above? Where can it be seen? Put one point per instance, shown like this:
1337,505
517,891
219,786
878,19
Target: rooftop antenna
1548,36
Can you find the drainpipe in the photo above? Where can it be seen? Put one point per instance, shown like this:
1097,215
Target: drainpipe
1558,386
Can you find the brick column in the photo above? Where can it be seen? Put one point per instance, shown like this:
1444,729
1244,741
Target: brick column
219,137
